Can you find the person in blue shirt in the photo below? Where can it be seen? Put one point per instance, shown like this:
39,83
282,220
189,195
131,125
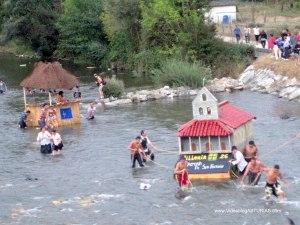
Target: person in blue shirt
22,120
237,33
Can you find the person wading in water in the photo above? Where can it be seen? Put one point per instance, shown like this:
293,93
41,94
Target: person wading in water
145,144
272,185
135,148
238,160
250,151
253,170
181,173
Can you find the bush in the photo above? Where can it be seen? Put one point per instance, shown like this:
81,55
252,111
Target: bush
179,73
113,88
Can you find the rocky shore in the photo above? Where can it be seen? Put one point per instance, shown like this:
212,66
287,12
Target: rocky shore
261,80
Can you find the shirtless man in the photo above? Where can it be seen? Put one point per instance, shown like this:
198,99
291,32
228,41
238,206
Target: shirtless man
135,149
272,185
253,170
181,173
250,151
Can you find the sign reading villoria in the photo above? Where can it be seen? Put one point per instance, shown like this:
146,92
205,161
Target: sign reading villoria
208,162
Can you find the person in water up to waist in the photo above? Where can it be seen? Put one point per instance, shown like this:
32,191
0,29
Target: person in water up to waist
272,184
23,119
146,144
181,173
238,160
135,149
250,151
253,170
44,137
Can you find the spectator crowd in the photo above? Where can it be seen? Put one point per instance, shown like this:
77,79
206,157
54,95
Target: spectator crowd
284,46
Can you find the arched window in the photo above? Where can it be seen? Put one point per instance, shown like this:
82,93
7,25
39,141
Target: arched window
207,147
201,111
204,97
208,111
194,147
223,146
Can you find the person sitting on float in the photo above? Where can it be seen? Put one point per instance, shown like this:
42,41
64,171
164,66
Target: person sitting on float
60,98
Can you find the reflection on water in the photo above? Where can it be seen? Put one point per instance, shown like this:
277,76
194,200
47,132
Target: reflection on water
92,182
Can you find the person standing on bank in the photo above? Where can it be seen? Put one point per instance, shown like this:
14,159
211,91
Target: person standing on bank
135,150
263,38
237,33
3,87
44,137
238,160
57,142
145,144
23,118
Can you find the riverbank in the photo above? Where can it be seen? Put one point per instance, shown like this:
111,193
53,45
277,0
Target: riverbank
254,78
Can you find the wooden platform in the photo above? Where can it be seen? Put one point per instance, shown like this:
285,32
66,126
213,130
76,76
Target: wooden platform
67,114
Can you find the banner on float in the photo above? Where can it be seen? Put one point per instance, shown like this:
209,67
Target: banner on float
208,162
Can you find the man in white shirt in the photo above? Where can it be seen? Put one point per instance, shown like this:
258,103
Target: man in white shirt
256,33
57,142
44,137
238,160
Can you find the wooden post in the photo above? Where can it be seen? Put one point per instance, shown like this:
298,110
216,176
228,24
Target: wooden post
24,93
200,148
209,144
190,143
220,148
50,98
229,141
179,145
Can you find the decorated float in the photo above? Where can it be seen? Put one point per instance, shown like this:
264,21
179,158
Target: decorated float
206,140
49,78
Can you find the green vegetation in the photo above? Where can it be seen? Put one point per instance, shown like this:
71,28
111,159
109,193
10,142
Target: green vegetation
162,39
179,73
113,88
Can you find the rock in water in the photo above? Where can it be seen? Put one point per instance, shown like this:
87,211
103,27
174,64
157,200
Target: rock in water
180,194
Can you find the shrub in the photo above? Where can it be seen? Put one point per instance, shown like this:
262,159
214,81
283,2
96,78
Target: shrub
174,72
113,88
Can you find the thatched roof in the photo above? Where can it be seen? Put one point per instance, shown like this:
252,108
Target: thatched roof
50,76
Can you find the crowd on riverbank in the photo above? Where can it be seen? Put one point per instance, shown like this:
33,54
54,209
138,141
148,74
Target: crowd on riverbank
287,44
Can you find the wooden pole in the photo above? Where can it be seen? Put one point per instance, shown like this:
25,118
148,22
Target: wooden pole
50,98
24,94
179,145
190,143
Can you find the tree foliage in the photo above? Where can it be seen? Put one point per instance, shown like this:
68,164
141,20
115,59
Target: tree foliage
33,23
82,38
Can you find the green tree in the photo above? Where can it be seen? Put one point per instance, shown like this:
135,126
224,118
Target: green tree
82,38
121,19
32,22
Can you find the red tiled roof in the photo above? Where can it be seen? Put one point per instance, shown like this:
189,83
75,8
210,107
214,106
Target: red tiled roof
203,128
230,117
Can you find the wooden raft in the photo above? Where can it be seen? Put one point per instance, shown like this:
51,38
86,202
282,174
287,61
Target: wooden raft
67,114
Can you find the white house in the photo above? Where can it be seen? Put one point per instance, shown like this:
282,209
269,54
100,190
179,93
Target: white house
222,11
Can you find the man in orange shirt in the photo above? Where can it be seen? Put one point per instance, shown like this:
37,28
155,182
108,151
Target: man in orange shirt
135,148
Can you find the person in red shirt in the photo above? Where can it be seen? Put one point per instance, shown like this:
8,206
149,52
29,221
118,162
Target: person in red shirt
271,41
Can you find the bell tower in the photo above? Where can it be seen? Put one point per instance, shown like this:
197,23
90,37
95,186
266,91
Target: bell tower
205,106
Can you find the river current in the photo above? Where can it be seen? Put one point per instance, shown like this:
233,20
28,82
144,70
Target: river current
92,181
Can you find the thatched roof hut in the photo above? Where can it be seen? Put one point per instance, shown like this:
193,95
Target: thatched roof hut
49,76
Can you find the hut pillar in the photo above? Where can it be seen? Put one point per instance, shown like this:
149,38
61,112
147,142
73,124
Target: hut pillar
50,98
179,143
24,95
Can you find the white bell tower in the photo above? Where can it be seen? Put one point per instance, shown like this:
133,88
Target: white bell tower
205,106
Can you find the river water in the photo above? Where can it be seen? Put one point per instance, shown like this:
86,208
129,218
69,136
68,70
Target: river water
92,182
